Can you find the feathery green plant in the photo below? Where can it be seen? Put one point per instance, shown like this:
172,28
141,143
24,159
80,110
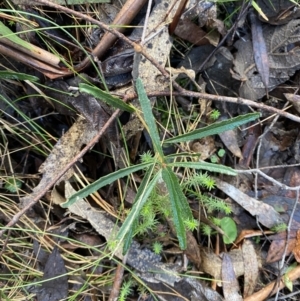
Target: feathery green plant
159,169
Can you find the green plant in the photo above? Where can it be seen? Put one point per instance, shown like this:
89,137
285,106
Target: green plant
13,185
126,289
279,228
159,169
157,247
228,225
214,114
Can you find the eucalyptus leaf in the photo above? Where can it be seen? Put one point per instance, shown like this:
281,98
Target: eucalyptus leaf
179,205
206,166
141,197
106,97
148,116
215,128
106,180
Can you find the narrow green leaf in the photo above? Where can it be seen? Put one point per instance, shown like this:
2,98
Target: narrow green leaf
141,197
5,74
179,205
106,180
215,128
106,97
259,10
148,115
206,166
13,37
128,237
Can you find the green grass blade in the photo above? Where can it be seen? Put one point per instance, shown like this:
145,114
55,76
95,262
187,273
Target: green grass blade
5,74
148,115
206,166
141,197
179,205
13,37
215,128
106,180
106,97
128,237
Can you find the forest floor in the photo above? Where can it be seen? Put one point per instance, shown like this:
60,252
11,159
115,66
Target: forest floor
149,151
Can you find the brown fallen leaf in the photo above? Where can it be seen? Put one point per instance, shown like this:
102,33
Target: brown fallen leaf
296,250
260,50
211,263
294,99
204,146
251,268
278,245
230,284
229,138
189,31
272,287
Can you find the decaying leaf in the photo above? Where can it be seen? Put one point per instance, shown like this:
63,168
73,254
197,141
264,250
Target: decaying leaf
65,149
284,60
158,47
296,250
279,245
229,138
230,283
294,99
56,287
212,263
260,50
278,11
205,147
265,213
189,31
251,268
100,222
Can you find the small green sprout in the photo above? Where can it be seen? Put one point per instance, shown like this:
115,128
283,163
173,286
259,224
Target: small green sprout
13,185
191,224
221,152
125,290
157,247
279,228
215,114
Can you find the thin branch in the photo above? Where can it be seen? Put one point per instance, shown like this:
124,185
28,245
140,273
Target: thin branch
237,100
277,183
